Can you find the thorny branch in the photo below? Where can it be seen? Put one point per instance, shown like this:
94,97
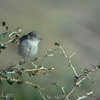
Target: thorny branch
78,78
69,59
12,73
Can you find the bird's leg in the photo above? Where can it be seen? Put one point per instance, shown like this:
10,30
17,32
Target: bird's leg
22,60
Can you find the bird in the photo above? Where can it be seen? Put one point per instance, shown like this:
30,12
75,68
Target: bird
28,44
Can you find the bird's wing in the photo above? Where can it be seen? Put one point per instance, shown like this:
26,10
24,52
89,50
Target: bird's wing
24,48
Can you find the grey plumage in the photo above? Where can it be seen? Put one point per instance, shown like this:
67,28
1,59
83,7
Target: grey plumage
28,44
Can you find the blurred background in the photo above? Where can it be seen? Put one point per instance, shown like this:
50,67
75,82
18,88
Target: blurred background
74,23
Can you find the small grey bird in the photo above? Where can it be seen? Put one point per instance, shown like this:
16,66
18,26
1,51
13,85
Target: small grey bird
28,44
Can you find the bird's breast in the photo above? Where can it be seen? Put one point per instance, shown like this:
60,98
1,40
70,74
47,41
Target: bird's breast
27,48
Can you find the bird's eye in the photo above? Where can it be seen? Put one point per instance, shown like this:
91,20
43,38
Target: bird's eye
34,35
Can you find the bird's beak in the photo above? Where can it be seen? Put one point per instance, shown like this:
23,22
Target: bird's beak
40,38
